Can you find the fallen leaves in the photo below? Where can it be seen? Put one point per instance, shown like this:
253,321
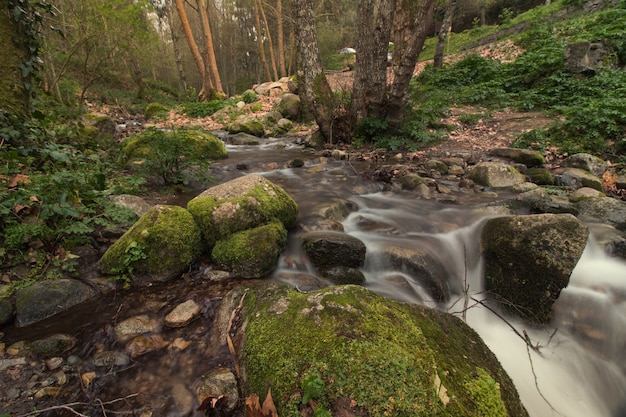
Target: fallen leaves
255,409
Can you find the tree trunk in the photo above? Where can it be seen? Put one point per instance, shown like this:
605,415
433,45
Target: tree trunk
259,34
411,27
443,33
281,38
13,94
315,91
374,22
269,39
210,63
197,57
178,55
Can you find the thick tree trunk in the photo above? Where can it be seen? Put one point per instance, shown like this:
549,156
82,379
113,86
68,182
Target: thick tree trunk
374,22
210,63
13,94
411,28
443,33
315,92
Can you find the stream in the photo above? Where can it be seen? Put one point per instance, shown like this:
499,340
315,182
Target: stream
577,370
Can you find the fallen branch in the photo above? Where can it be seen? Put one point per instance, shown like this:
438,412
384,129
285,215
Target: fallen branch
229,340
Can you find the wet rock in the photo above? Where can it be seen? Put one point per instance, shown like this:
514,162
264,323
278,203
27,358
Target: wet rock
437,165
496,175
241,204
586,162
45,299
249,124
6,311
338,210
585,192
251,253
161,246
422,266
353,339
12,362
136,204
328,249
528,157
241,139
183,314
341,275
53,345
604,210
410,181
135,326
54,363
217,383
183,398
141,345
613,241
540,176
577,178
303,281
110,359
554,243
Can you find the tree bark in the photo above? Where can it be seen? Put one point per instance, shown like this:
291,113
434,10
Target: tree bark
443,33
411,28
178,55
374,22
259,34
315,92
13,94
210,63
281,38
269,39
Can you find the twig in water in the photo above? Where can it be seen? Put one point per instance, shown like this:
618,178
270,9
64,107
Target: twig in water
532,368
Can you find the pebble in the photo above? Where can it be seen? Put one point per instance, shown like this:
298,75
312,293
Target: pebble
9,363
183,314
141,345
111,358
54,363
135,326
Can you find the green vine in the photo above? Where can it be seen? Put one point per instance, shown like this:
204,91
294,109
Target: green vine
29,18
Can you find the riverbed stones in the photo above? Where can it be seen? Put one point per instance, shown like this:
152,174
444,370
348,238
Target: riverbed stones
578,178
496,175
160,246
327,249
47,298
182,314
367,349
217,383
604,210
587,162
529,259
135,326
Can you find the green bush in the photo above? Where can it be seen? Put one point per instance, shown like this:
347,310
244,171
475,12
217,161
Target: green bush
249,97
205,109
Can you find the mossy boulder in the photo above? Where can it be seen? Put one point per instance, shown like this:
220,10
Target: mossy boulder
155,145
540,176
528,157
410,181
290,106
247,124
347,345
252,253
243,203
161,245
529,259
156,110
579,178
587,162
496,175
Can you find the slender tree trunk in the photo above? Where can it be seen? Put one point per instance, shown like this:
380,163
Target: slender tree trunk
269,39
178,55
210,60
411,25
197,57
443,33
259,34
315,91
281,38
374,22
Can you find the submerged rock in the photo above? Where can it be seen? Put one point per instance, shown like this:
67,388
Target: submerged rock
358,347
328,249
529,259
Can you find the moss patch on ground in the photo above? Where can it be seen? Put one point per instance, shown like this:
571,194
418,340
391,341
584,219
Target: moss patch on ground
392,359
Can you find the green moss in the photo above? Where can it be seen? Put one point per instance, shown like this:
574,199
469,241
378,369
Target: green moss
156,109
252,253
169,238
486,393
382,354
259,206
540,176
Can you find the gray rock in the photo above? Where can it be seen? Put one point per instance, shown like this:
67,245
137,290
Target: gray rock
604,210
6,311
242,138
329,249
53,345
410,181
528,157
587,162
290,107
554,243
585,192
217,383
110,359
496,175
135,326
338,210
585,57
132,202
579,178
341,275
45,299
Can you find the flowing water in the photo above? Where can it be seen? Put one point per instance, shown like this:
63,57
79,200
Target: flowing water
577,370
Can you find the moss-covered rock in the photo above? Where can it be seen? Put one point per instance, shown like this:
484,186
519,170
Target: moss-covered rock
158,247
410,181
529,259
252,253
247,124
348,344
496,175
243,203
290,106
528,157
156,109
540,176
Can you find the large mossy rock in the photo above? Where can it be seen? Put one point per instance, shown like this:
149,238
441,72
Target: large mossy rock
161,245
528,157
290,106
153,144
47,298
359,348
529,259
241,204
251,253
496,175
247,124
